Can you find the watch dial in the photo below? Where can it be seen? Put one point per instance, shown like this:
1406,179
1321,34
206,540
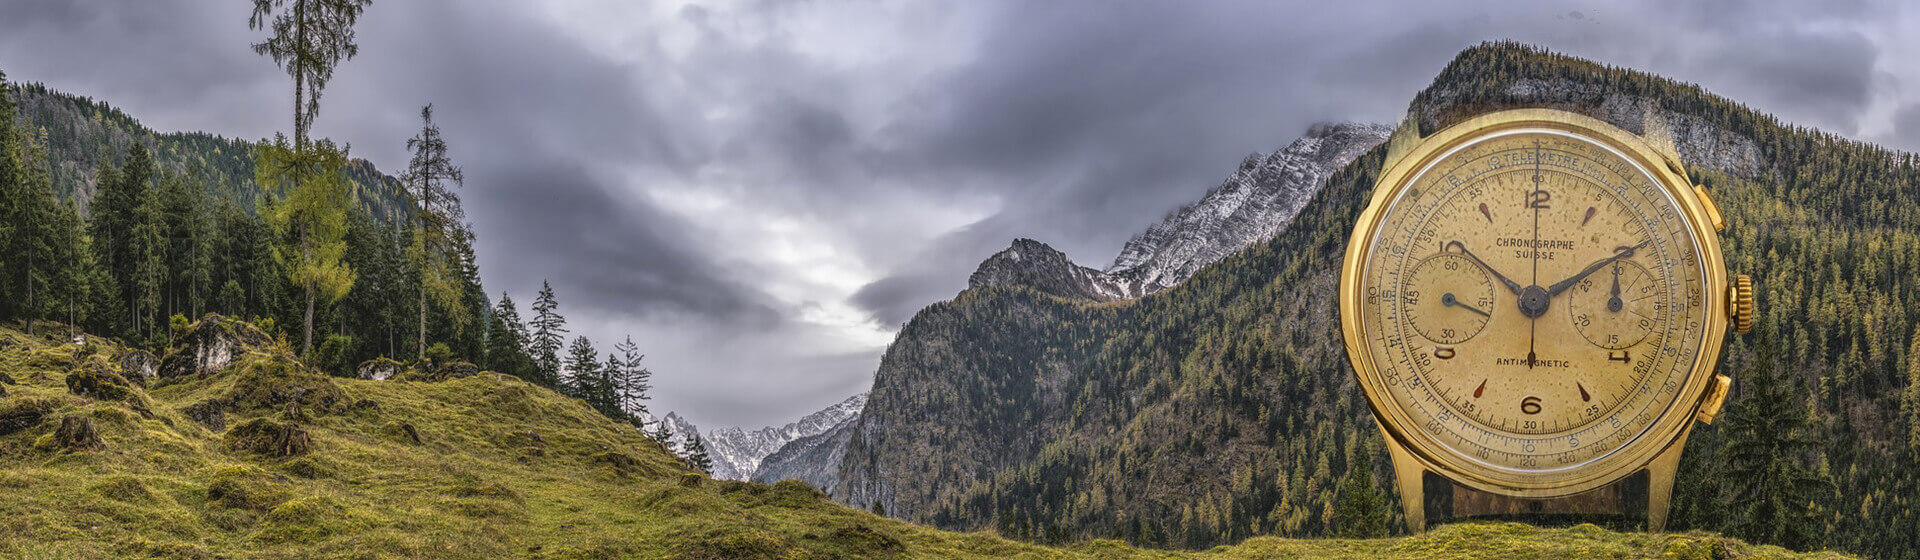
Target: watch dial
1533,300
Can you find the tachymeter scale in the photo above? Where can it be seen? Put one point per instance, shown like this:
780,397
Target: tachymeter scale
1447,298
1521,388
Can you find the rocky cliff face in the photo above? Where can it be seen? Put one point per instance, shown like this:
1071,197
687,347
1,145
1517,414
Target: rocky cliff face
814,459
1250,206
1034,264
737,453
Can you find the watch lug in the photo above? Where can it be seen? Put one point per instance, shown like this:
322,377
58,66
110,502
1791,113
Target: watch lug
1660,475
1713,210
1716,398
1407,475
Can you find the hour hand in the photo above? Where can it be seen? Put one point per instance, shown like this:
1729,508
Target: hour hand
1511,285
1620,253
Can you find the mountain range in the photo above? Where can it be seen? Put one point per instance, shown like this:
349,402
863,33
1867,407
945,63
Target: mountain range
1184,399
737,454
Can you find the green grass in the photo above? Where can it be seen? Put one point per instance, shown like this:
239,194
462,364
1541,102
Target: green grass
500,468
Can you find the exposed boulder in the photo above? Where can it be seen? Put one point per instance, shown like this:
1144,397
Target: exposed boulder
210,414
139,366
96,380
270,438
379,369
209,346
456,370
78,433
22,415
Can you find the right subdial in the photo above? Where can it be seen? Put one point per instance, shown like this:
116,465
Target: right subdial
1615,307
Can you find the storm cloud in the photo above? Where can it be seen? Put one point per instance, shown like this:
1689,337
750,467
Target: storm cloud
760,192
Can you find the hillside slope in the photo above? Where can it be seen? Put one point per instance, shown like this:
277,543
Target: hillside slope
83,133
1224,407
231,449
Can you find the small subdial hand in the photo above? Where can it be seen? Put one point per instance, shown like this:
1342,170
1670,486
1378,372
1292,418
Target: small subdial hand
1613,299
1462,248
1448,300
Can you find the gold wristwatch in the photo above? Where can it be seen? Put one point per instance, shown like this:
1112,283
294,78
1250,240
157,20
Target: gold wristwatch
1534,302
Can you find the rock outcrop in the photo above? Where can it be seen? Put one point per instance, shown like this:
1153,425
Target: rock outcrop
379,369
209,346
139,366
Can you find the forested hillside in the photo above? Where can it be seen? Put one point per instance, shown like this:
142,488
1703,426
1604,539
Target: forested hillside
1225,408
82,134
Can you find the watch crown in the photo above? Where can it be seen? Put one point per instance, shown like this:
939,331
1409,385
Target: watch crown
1740,303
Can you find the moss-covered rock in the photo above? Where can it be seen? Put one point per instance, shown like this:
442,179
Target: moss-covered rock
139,366
271,384
268,437
209,346
211,415
18,416
379,369
95,379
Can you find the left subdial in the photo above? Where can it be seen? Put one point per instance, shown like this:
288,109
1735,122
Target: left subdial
1447,298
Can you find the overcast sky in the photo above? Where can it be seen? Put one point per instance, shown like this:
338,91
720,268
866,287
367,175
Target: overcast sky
760,192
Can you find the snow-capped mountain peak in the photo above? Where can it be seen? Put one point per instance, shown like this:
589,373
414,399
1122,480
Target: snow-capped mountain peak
1250,206
736,453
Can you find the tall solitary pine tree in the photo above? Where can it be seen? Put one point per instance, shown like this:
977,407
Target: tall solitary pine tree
549,332
309,39
439,224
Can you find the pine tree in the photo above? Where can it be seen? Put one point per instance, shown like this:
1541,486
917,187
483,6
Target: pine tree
115,214
635,379
12,198
1770,446
1910,403
697,454
507,341
611,385
1361,513
184,227
310,223
549,332
309,39
44,244
583,369
438,222
663,435
149,251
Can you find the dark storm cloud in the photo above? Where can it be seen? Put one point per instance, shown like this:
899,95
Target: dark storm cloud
1826,78
541,125
1099,120
603,255
591,144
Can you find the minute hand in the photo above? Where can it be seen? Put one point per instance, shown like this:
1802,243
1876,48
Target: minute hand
1622,253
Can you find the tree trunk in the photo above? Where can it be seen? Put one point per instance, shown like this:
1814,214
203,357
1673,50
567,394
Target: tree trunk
31,312
306,256
423,318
